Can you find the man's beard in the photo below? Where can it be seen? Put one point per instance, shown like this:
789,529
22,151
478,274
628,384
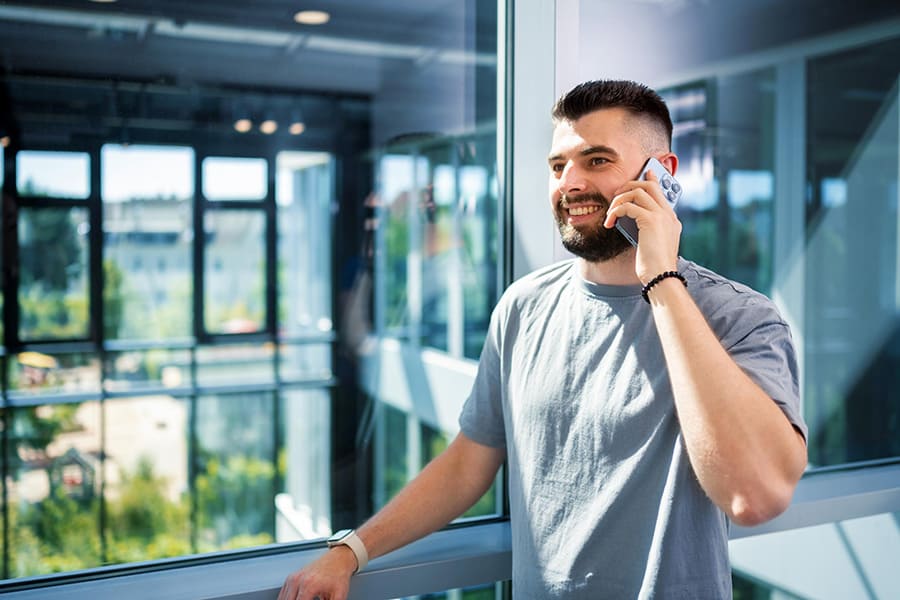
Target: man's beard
593,243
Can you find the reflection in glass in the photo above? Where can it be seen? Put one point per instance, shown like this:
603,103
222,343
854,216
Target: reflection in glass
44,174
53,272
852,336
304,506
232,178
727,212
438,241
147,233
235,462
304,361
304,188
54,485
235,271
855,558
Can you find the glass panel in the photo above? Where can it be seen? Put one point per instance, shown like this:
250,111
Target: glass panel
142,369
433,443
137,172
4,140
235,271
235,482
147,234
852,337
727,212
41,174
399,217
54,487
478,230
53,273
304,195
146,478
491,591
305,361
395,466
235,364
35,373
303,509
855,558
230,178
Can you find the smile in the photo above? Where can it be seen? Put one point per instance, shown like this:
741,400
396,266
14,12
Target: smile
577,211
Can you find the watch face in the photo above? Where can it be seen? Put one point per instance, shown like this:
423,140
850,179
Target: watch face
338,536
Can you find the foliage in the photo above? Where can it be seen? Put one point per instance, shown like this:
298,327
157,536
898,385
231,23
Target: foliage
113,300
61,533
234,498
50,253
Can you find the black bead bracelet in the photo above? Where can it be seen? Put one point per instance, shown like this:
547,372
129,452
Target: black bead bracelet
657,279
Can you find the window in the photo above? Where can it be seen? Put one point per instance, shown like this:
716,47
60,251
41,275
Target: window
852,339
52,174
147,194
53,271
229,178
200,296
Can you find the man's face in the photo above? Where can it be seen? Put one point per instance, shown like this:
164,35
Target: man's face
589,160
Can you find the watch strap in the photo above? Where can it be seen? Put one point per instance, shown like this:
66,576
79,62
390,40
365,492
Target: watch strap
352,541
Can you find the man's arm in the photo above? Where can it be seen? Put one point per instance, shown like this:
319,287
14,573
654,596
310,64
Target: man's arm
445,488
746,454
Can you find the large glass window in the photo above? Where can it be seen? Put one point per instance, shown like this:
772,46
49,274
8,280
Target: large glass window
210,270
852,339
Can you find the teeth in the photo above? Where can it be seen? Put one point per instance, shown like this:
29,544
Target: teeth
577,211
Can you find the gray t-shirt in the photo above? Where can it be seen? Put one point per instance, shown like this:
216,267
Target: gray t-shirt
572,382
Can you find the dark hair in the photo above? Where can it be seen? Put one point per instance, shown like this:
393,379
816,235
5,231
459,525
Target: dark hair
635,97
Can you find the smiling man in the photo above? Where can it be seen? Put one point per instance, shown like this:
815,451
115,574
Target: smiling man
640,400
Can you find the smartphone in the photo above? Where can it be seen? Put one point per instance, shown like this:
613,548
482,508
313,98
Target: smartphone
670,187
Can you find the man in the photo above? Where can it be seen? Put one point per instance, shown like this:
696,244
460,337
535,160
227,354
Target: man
641,401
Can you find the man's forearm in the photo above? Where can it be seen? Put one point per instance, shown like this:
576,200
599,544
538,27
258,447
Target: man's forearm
746,454
445,489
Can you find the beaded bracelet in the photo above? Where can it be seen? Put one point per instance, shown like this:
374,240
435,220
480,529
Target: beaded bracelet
657,279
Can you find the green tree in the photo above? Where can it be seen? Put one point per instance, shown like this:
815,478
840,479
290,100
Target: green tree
113,299
49,249
235,499
144,524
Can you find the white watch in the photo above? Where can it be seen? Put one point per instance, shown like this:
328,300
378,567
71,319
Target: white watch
348,537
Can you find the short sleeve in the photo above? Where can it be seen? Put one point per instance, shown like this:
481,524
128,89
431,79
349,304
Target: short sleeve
766,354
481,418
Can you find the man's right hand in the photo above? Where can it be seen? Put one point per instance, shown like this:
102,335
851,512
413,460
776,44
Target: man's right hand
327,578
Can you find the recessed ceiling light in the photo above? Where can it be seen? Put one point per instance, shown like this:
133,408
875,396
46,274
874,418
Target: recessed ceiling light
312,17
268,126
297,128
243,125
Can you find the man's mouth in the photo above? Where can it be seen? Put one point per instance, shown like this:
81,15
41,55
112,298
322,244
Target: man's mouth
577,211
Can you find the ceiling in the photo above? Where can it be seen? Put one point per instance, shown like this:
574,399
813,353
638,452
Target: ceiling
76,66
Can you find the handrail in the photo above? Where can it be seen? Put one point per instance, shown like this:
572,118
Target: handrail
457,557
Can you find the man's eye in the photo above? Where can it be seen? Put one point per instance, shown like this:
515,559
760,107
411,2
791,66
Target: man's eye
597,160
556,168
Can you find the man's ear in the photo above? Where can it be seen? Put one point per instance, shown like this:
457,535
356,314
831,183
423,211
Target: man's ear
670,161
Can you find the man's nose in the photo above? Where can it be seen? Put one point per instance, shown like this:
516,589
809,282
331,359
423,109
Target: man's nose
571,180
